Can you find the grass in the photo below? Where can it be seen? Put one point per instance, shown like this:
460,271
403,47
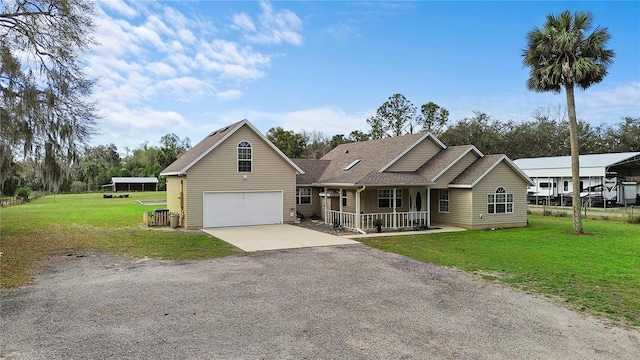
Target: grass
597,273
84,222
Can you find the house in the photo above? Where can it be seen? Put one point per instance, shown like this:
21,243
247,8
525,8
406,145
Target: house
132,184
233,177
611,177
412,180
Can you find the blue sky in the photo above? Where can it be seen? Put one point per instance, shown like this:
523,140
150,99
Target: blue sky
191,67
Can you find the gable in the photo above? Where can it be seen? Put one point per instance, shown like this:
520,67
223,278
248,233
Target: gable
416,156
212,141
461,165
502,175
224,159
482,167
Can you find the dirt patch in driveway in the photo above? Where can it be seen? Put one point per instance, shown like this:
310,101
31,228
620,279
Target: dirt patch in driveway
328,302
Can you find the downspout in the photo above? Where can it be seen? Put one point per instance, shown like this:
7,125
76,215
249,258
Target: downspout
325,215
358,191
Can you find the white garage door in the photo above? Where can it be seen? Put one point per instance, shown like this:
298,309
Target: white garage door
241,208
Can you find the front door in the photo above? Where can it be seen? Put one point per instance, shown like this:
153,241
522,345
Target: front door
417,200
417,203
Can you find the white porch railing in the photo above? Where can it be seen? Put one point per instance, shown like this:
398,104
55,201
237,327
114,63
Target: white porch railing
338,218
407,219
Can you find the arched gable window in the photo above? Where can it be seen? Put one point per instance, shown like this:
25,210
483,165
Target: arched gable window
500,202
244,157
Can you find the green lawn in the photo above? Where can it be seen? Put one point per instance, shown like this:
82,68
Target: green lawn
59,223
598,272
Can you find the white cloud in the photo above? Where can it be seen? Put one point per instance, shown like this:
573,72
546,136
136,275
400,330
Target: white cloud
119,6
151,56
131,127
327,119
243,21
184,89
274,27
342,30
229,94
161,69
232,60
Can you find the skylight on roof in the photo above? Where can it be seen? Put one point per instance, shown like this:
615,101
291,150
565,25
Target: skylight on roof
352,164
219,131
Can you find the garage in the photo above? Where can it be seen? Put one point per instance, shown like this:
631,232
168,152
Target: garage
240,208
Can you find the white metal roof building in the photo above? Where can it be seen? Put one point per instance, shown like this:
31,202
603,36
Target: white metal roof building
604,165
600,174
132,184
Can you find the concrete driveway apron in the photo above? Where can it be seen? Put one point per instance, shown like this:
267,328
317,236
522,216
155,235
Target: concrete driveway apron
275,237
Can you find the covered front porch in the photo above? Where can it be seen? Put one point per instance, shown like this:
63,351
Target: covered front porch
363,209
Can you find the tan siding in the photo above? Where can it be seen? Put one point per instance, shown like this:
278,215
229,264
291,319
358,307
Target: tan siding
351,201
218,172
416,157
443,181
176,184
460,210
502,175
369,201
316,204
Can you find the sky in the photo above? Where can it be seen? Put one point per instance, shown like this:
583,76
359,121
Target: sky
192,67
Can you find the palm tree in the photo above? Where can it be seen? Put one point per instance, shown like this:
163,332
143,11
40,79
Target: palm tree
562,55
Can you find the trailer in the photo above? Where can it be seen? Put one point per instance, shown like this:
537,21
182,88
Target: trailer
622,194
606,180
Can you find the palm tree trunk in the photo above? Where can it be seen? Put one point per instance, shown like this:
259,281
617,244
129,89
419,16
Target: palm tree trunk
575,159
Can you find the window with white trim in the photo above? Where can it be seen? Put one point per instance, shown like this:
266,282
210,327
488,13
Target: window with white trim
344,197
385,198
443,200
500,202
244,157
303,196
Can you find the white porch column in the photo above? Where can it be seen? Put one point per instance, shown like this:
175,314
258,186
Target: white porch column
395,220
428,207
341,210
358,208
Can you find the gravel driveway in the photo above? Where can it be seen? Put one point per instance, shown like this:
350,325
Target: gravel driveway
349,302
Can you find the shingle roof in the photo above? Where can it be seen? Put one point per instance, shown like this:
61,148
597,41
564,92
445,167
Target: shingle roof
374,154
477,170
396,178
481,167
443,160
312,168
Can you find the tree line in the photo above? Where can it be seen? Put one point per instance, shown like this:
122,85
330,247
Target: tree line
95,167
546,134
